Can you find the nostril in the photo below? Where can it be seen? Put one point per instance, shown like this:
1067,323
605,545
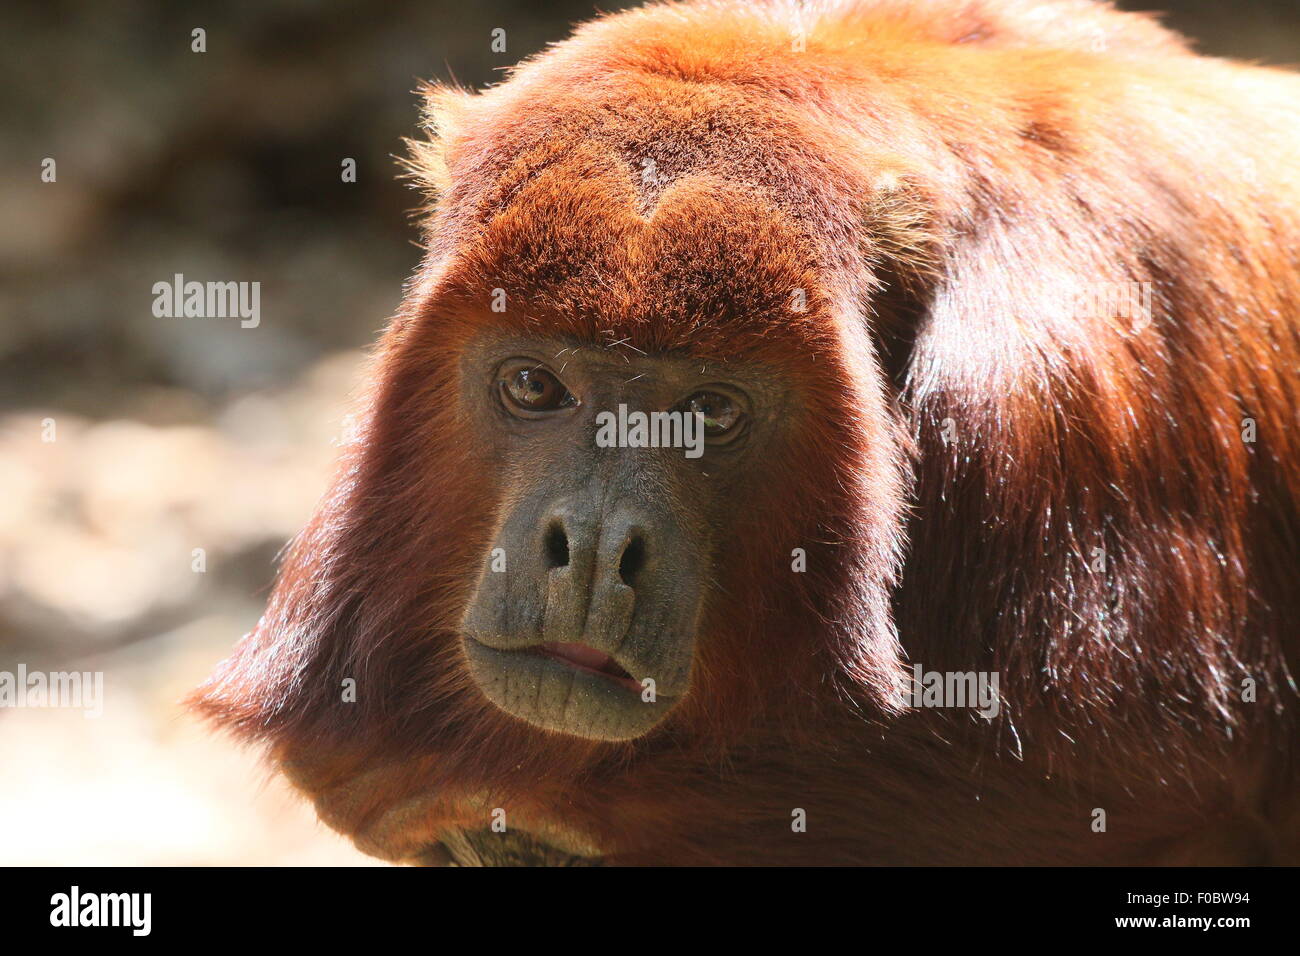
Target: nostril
633,560
556,545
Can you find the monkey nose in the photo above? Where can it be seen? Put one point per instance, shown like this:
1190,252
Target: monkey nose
592,568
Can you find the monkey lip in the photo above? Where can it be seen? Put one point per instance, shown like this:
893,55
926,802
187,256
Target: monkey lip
567,688
588,659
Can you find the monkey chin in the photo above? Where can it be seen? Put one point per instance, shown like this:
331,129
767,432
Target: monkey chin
558,689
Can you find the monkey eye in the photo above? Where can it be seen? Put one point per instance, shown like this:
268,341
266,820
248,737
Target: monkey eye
531,388
720,413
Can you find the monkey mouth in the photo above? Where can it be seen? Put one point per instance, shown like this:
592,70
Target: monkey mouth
566,687
588,659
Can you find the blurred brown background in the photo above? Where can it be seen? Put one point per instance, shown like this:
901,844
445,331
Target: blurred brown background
177,434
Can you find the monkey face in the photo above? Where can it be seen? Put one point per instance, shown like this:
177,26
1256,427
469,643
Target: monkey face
618,471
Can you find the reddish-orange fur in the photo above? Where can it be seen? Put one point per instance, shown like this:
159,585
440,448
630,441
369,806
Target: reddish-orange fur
938,176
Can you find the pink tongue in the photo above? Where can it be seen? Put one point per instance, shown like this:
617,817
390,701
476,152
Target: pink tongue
578,654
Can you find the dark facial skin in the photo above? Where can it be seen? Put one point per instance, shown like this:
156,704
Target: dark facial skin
609,552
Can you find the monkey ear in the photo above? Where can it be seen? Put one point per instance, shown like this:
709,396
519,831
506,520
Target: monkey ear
959,291
443,114
903,251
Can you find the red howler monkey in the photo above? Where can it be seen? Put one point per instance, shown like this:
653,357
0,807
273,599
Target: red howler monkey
988,312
